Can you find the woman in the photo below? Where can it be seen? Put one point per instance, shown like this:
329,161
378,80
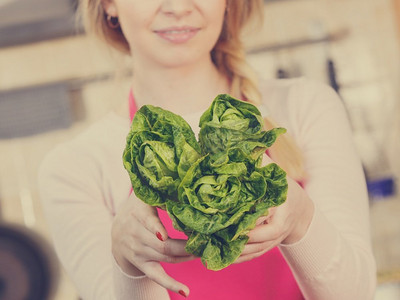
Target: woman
185,52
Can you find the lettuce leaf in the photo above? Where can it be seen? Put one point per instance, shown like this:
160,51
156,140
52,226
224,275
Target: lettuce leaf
215,189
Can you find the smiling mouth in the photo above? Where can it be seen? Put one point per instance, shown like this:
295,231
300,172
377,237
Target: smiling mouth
177,35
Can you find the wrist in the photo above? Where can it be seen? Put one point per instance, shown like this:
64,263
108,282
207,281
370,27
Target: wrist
301,227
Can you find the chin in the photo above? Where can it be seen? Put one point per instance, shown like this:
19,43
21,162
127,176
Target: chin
179,61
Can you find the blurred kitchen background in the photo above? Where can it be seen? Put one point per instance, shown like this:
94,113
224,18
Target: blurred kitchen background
55,81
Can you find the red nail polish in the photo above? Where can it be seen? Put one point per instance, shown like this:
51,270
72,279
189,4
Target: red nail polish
182,293
159,236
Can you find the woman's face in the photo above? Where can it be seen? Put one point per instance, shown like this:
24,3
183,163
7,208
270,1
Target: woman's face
169,32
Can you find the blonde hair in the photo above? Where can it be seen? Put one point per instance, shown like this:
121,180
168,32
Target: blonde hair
229,57
94,18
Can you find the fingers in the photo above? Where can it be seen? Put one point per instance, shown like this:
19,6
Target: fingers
262,220
249,256
252,251
148,217
153,224
152,254
155,272
266,160
266,219
156,236
140,242
264,233
175,247
256,247
170,247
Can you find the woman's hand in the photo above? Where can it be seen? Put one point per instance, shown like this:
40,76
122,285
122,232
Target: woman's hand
285,224
140,242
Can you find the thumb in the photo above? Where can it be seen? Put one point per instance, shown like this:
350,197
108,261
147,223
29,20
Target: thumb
266,159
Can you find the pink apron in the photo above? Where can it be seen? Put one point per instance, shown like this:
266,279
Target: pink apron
267,277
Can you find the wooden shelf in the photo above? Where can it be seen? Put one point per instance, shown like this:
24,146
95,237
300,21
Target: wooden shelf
333,37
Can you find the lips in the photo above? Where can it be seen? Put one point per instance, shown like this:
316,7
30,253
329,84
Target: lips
177,35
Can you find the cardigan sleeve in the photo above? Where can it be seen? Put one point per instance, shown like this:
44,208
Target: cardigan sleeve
334,259
80,224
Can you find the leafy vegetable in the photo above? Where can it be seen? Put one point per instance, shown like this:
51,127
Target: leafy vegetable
160,148
214,190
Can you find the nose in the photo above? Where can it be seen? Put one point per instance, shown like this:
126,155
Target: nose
177,8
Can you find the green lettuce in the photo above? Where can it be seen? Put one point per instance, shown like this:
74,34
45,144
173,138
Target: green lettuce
160,148
214,190
232,123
